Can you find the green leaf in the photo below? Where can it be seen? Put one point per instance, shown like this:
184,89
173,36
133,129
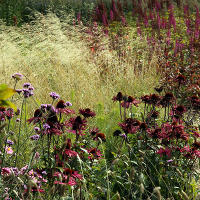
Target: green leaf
6,92
9,104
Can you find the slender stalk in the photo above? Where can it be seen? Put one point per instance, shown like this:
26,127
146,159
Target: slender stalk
4,150
120,110
19,132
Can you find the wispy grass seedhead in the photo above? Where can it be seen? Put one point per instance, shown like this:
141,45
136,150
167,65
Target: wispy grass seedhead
54,56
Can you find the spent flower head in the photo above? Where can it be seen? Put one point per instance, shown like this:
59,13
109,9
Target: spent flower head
17,76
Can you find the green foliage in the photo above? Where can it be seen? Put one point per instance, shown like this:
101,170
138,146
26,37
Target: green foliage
5,93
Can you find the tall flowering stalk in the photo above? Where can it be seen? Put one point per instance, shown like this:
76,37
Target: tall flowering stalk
19,133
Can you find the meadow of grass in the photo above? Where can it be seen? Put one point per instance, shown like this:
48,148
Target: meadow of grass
53,56
132,131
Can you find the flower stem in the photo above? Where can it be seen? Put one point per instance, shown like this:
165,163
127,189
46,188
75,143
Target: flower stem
4,150
19,132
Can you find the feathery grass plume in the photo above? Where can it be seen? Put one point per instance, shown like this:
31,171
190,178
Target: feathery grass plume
156,190
54,53
132,173
197,197
185,196
179,172
141,188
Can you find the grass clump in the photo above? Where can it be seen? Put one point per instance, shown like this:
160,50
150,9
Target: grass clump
53,56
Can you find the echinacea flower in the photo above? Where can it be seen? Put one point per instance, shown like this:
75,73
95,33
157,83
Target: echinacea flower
9,150
76,123
61,108
61,104
154,133
94,131
37,116
9,113
146,99
5,171
180,79
159,89
67,177
154,99
129,101
119,97
101,136
167,99
67,149
17,76
164,152
94,153
117,133
130,125
179,110
87,113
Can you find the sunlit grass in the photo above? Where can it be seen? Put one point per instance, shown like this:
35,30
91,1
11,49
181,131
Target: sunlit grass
54,56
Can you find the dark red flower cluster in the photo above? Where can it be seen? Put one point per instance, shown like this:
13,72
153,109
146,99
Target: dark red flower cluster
125,101
180,79
129,101
94,153
61,107
169,131
6,114
77,124
118,97
195,102
178,111
152,99
101,136
67,177
130,125
64,153
87,113
37,117
167,99
191,152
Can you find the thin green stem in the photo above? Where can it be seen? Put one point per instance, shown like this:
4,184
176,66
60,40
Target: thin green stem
19,133
4,150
